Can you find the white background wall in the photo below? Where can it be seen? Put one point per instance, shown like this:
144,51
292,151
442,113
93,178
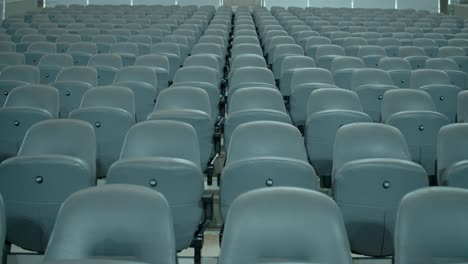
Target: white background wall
329,3
374,3
298,3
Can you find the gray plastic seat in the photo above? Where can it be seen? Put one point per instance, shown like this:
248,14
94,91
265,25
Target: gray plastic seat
7,46
25,106
413,112
441,210
353,44
51,64
303,82
372,171
65,40
104,42
210,48
190,105
111,111
107,65
56,159
184,43
457,77
304,243
72,83
245,40
462,107
251,77
17,75
391,45
272,42
86,214
429,45
206,60
279,53
399,69
437,84
2,226
288,66
82,52
452,155
204,78
327,110
142,81
371,55
415,55
38,49
254,104
160,64
128,52
264,154
163,156
144,43
172,52
324,55
11,58
342,68
246,60
446,52
370,85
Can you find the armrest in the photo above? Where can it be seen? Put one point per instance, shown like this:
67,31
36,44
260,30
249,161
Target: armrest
207,200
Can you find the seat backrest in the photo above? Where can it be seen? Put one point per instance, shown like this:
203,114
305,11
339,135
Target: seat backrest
83,224
362,77
324,50
401,100
108,60
252,75
443,64
78,73
61,137
208,48
346,62
389,64
148,138
296,62
43,46
428,77
56,59
333,99
162,48
206,60
2,223
196,74
368,140
124,47
449,51
256,98
153,60
424,42
183,98
451,145
248,60
83,47
109,97
371,50
304,245
37,96
277,140
311,75
441,210
136,74
26,73
354,41
407,51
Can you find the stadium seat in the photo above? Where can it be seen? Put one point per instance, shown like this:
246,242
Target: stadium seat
300,227
138,215
51,64
264,154
111,111
56,159
372,171
431,220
